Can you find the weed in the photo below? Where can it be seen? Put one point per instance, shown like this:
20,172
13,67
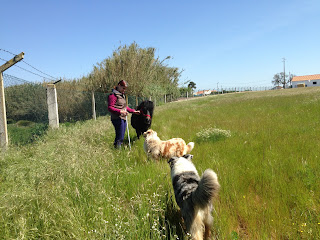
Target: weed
212,135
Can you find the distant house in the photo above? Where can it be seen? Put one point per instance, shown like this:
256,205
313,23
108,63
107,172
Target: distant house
203,93
306,81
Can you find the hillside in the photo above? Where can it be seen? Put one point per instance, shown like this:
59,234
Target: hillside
71,184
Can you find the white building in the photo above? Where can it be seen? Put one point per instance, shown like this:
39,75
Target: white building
204,92
306,81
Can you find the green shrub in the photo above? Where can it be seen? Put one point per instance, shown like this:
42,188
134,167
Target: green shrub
10,121
27,134
24,123
212,134
26,101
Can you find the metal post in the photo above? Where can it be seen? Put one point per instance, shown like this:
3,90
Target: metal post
284,72
128,133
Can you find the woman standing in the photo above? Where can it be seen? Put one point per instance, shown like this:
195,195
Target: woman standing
118,108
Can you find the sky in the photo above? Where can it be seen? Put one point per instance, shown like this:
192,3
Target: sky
215,44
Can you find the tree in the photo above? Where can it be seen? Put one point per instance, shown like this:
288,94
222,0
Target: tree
146,75
192,86
279,79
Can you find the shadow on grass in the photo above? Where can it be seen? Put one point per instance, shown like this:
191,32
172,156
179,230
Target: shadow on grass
173,221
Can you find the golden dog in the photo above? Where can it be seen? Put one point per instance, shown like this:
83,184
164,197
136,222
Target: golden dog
156,148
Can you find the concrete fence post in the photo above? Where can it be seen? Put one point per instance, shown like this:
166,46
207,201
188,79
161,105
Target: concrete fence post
52,102
94,115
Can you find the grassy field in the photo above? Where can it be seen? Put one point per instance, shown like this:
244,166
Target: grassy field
71,183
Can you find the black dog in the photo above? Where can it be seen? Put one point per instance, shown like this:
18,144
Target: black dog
141,123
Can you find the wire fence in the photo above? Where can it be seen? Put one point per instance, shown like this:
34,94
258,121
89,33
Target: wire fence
26,103
27,100
24,100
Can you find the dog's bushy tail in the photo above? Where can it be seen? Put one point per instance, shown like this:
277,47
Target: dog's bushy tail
190,146
208,188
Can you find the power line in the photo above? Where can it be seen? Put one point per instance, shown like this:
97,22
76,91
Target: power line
29,71
37,69
7,51
30,66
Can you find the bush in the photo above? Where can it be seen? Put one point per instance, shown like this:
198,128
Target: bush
212,134
27,101
27,134
10,121
24,123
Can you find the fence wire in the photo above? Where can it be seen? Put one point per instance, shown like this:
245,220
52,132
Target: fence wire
9,80
27,101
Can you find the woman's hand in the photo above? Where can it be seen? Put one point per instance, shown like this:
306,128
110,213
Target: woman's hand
123,113
137,112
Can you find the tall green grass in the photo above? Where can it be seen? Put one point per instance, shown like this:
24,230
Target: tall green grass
25,132
72,184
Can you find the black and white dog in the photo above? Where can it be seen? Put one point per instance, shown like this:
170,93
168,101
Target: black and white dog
194,195
141,123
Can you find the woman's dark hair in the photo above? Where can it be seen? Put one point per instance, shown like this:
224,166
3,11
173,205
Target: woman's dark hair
123,83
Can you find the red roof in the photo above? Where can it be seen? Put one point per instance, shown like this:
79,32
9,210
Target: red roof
306,78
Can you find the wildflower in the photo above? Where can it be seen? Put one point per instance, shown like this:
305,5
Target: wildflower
212,134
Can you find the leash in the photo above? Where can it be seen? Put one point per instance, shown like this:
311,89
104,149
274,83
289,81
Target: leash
128,132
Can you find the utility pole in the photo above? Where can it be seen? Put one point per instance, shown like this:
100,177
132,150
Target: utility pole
284,72
290,86
3,114
217,88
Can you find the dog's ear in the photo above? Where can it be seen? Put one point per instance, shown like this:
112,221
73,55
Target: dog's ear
172,161
188,156
147,132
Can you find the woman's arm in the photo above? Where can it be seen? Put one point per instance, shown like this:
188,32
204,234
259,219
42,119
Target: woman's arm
112,99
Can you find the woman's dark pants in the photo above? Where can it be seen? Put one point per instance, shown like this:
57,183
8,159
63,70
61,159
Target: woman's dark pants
120,127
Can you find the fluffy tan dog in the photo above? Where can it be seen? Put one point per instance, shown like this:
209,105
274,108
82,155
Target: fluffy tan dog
156,148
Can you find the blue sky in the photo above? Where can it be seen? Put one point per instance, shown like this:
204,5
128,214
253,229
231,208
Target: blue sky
225,43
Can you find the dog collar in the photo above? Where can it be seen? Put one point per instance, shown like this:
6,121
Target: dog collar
146,115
